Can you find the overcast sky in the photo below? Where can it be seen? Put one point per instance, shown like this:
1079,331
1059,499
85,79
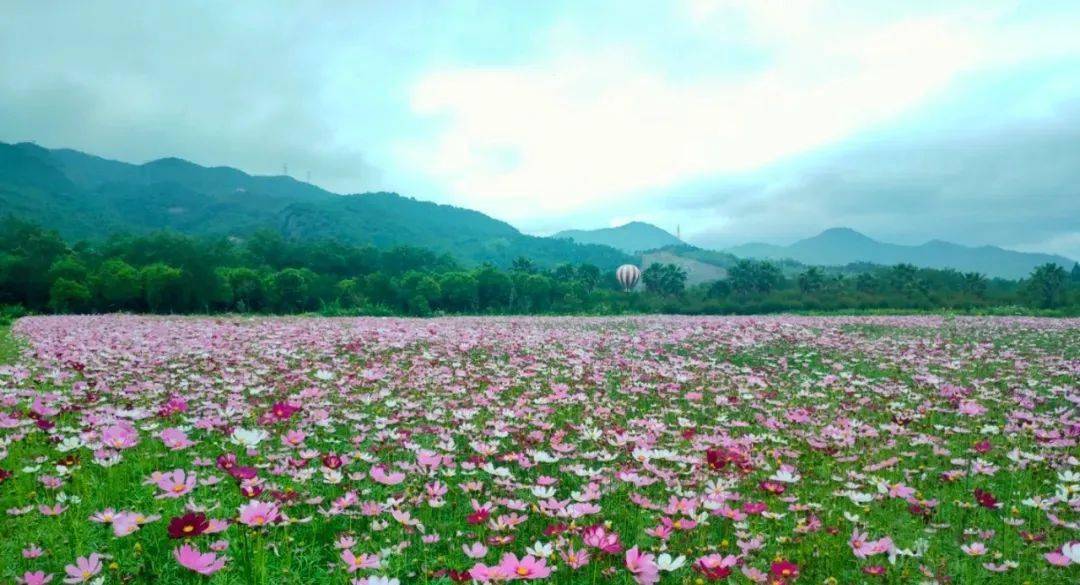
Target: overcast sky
738,121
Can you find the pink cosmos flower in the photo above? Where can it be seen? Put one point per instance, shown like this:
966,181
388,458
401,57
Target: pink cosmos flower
974,549
354,563
258,513
175,439
55,510
642,566
176,483
863,547
901,491
525,569
380,475
575,559
971,408
597,537
191,558
84,569
120,436
1068,555
32,552
293,438
475,551
485,574
35,578
125,523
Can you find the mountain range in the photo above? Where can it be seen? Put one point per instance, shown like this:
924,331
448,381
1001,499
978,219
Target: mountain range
636,236
841,246
88,197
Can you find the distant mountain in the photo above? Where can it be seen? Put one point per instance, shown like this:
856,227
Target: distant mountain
635,236
88,197
840,246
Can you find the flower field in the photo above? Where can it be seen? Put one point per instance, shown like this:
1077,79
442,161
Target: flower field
646,450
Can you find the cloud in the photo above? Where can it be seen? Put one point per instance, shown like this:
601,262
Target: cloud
1015,184
565,113
557,136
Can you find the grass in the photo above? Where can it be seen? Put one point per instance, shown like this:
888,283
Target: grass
9,347
873,374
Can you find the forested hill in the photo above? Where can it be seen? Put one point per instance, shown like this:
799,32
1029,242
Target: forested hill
636,236
88,197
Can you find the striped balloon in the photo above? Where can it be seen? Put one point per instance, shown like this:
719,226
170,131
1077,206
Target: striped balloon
628,276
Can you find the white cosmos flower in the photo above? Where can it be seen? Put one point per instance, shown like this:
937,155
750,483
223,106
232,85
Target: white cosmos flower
543,492
858,497
540,549
664,562
784,476
1072,551
543,457
248,438
69,444
331,476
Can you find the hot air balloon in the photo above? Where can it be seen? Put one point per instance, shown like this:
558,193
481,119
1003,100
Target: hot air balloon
628,276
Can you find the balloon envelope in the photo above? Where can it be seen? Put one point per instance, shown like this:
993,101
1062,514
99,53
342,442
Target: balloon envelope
628,276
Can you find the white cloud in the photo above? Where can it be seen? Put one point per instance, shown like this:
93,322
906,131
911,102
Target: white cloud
565,134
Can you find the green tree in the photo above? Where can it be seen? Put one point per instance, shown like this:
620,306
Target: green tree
247,289
68,267
350,292
460,291
589,276
754,278
1046,286
290,289
117,284
523,264
68,296
533,292
419,291
975,284
664,279
379,288
811,281
163,287
493,289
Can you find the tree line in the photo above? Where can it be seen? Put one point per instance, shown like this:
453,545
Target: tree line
166,272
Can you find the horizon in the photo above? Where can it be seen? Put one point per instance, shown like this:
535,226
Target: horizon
783,243
739,122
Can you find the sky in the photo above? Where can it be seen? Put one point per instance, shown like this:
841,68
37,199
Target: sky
733,121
